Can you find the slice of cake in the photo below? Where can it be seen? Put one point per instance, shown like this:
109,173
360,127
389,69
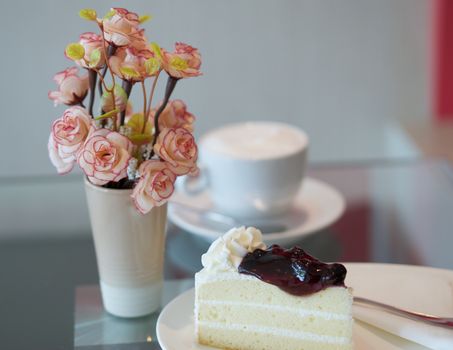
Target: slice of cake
248,297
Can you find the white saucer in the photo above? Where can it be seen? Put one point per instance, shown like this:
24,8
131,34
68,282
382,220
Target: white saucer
316,206
175,326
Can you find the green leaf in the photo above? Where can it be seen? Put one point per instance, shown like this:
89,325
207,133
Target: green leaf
144,18
152,66
156,49
129,72
119,92
140,138
136,122
88,14
95,57
75,51
110,14
109,114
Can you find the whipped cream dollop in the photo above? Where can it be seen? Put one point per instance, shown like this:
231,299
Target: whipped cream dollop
227,251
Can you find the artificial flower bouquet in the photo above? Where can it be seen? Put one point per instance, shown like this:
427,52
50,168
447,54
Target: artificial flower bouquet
116,147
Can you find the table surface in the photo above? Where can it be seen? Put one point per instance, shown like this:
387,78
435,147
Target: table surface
397,212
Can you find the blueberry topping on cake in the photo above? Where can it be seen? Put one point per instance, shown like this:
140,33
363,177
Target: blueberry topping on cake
292,270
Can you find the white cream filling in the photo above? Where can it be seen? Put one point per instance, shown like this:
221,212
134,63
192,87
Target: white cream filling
279,308
279,332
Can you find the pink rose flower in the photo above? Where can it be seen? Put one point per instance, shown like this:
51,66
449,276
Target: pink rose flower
175,115
63,167
138,41
130,58
72,89
122,27
67,137
90,42
155,186
105,155
177,147
185,62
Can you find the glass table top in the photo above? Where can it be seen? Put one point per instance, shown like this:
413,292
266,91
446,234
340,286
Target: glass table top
397,212
93,326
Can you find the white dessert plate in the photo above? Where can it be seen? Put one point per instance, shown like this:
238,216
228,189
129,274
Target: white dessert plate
316,206
418,288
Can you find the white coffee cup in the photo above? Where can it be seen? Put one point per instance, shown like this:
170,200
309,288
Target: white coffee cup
252,169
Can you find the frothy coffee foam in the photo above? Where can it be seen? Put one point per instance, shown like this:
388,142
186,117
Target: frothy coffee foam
255,140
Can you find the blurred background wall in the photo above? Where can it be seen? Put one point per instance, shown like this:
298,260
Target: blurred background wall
345,71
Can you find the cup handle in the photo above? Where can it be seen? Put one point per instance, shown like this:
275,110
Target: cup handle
193,185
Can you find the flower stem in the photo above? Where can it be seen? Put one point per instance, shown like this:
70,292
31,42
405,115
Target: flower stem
92,77
111,50
127,87
148,111
102,81
101,74
107,53
144,106
171,83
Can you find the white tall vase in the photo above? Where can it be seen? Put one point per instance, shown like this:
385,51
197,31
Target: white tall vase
129,249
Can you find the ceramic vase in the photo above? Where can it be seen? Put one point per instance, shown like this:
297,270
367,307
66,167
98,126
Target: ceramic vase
129,250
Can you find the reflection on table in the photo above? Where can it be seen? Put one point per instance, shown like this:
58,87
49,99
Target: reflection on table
94,326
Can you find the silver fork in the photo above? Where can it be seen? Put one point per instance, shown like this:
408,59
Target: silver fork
413,315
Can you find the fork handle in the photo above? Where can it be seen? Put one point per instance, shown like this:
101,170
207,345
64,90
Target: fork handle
413,315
